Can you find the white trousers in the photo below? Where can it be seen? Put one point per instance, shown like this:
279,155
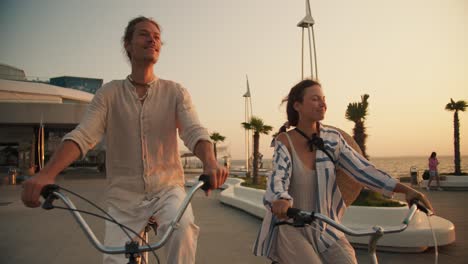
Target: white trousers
297,245
182,244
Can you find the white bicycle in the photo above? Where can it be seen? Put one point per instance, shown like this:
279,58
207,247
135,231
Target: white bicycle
135,251
304,218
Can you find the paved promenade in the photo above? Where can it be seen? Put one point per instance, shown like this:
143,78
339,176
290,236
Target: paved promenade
52,237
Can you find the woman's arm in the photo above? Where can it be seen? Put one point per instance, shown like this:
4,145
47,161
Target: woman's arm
357,166
277,198
366,173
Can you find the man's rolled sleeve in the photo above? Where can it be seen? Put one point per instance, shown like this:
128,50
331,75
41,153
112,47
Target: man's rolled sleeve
190,129
92,127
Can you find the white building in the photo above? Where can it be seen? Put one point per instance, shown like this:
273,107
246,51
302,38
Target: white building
24,105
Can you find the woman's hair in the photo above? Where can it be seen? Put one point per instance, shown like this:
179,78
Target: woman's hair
128,35
296,94
433,155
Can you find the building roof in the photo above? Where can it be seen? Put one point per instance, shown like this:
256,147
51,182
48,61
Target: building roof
21,91
11,73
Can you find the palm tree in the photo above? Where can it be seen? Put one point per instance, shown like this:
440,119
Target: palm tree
456,106
357,113
216,137
256,124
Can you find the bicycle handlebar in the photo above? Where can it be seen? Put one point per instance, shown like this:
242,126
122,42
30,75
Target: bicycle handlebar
52,192
302,218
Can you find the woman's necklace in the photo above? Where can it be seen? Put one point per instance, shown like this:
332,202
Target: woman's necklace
312,142
315,142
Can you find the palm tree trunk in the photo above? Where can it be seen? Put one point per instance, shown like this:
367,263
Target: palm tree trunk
215,151
255,157
360,136
456,142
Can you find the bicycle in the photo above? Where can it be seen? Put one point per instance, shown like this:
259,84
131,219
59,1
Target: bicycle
132,249
303,218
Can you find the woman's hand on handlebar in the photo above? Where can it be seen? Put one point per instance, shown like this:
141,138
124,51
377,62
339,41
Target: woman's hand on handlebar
32,189
280,208
412,194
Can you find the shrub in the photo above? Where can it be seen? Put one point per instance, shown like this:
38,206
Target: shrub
371,198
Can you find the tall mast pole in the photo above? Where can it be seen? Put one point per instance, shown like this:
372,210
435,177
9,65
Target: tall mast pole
248,116
308,23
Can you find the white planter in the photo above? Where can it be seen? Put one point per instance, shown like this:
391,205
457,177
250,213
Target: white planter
450,182
416,238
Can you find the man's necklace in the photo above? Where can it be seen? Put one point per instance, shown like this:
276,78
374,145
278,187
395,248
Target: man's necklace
144,96
146,85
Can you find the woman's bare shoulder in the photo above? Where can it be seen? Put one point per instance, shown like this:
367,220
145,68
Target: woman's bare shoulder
283,139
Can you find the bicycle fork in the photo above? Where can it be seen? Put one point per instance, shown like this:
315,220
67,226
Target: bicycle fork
152,224
373,243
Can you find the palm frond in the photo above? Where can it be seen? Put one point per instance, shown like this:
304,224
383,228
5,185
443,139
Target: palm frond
216,137
456,106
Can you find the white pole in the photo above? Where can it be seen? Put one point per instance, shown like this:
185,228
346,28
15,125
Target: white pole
302,56
315,52
246,137
310,54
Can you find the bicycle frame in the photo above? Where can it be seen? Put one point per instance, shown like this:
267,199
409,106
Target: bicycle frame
130,248
375,232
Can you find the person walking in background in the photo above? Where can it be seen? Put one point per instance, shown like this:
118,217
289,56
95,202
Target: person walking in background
140,117
304,174
433,172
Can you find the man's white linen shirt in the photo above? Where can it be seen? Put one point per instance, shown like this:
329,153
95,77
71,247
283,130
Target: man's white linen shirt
142,154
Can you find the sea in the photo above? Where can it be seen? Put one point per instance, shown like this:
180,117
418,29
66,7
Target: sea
397,167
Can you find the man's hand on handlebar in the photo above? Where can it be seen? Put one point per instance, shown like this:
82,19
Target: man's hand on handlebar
32,189
218,175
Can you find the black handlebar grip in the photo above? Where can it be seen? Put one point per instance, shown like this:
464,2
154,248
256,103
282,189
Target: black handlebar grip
420,206
292,212
48,193
48,190
206,182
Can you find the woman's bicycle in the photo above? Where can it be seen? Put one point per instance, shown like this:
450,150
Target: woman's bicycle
133,250
303,218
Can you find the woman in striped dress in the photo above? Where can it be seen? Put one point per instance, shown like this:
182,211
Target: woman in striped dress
305,161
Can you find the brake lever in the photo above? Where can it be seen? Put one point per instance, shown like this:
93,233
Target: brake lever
48,193
421,207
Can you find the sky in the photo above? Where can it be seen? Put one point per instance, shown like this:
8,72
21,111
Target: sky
411,57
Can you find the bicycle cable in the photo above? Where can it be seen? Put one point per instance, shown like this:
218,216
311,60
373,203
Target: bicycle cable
110,219
436,250
123,227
